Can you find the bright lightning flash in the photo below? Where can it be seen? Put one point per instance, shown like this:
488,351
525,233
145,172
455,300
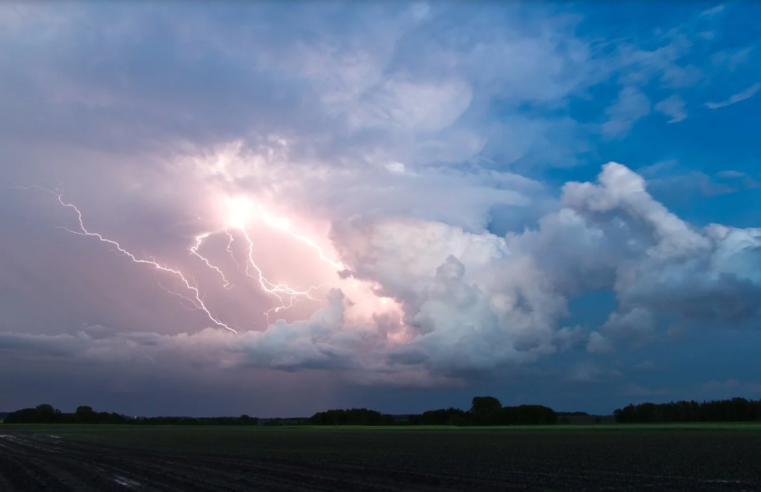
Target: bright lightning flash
285,226
196,300
240,212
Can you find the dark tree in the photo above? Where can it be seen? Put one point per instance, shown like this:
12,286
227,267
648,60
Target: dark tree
734,410
46,413
449,416
527,415
485,410
353,416
85,415
484,405
41,414
246,420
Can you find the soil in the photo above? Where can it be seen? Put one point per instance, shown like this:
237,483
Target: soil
303,460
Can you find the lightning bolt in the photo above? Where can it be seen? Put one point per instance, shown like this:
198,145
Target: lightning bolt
285,295
194,251
196,300
281,291
229,247
285,226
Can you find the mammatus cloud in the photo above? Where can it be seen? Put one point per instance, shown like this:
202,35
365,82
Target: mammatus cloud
736,98
468,303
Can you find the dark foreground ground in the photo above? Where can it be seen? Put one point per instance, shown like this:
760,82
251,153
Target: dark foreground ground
124,458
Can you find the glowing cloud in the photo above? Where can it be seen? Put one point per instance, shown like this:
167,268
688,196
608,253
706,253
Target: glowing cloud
196,300
240,214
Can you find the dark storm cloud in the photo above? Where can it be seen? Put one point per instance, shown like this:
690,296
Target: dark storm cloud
395,131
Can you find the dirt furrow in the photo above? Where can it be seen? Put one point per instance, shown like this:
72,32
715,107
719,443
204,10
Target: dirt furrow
31,462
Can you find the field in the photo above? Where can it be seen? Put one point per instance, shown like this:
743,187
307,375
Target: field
691,457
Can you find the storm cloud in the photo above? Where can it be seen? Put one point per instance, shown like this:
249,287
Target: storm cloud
370,190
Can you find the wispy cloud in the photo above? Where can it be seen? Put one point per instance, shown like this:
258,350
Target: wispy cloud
730,386
632,104
633,389
736,98
673,107
712,11
730,174
646,365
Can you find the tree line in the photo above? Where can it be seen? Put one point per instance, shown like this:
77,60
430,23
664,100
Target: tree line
484,410
353,416
47,414
734,410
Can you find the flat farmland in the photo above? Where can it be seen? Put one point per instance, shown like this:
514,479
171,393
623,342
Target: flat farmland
97,458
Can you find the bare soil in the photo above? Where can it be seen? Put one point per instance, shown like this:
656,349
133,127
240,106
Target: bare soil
194,459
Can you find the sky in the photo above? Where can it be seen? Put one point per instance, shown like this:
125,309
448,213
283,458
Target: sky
276,209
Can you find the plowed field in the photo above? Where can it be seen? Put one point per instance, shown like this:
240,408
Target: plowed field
72,458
